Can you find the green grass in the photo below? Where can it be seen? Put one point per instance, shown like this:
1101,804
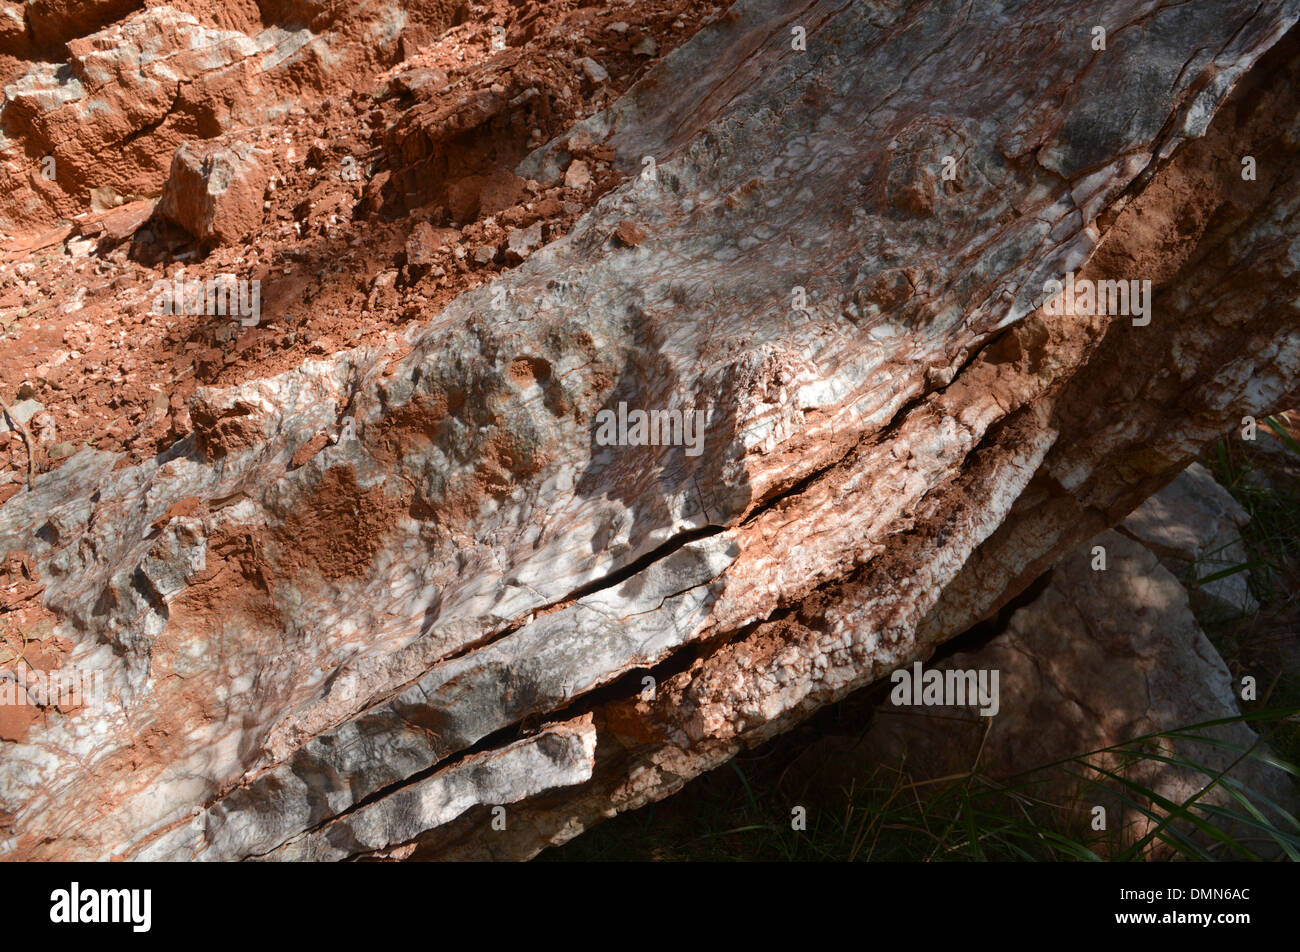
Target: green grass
1042,815
1265,644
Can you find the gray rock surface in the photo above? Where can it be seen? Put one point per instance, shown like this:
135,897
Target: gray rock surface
1098,659
1195,525
22,413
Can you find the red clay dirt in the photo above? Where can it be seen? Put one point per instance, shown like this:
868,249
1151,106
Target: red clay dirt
342,262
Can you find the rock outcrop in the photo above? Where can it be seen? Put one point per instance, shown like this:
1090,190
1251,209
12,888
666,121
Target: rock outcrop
376,598
1099,659
139,81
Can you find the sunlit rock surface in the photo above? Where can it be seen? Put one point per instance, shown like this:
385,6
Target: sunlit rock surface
307,652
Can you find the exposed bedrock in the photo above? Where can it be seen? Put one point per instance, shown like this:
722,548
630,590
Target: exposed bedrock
381,595
111,88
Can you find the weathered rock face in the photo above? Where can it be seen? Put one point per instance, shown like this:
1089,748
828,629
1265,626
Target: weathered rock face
124,102
139,82
380,573
1194,524
1100,657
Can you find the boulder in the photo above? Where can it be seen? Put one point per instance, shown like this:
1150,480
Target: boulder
215,190
1099,659
1195,525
